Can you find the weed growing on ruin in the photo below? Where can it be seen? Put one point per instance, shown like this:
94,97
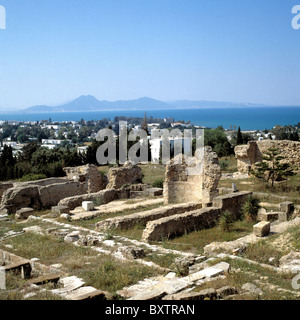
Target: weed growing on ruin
250,208
226,221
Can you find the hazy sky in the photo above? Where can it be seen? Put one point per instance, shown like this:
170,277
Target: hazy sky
230,50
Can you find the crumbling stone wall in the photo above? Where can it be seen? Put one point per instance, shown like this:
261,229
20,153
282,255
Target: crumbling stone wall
232,202
248,155
90,174
43,194
128,174
182,185
38,197
176,225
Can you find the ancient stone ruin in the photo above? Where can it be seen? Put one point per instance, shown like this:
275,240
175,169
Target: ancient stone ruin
126,175
190,202
189,181
43,194
248,155
90,174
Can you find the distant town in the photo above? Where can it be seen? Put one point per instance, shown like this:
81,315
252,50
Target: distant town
80,134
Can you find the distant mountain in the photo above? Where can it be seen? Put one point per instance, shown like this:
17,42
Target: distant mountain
90,103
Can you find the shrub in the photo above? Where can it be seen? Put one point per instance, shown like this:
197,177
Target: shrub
159,183
224,164
32,177
250,208
226,221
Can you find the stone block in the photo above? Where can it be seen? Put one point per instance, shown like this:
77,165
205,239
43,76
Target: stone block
154,294
214,271
262,229
24,213
203,294
59,210
88,205
287,207
283,216
263,215
86,293
72,237
154,192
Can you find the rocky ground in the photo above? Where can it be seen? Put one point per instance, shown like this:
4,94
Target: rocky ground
103,265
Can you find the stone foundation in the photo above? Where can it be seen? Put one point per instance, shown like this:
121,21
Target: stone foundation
142,218
176,225
180,224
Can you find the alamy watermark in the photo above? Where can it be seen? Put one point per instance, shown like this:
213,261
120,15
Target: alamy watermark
296,19
2,279
162,142
2,17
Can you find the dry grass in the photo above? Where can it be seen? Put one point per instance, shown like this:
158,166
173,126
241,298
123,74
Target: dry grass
100,271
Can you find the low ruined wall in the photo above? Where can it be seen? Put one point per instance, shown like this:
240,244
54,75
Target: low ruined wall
180,224
41,183
102,197
21,197
45,193
51,195
232,202
39,197
142,218
248,155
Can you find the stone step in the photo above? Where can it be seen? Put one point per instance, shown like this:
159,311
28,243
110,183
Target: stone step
44,279
86,293
22,266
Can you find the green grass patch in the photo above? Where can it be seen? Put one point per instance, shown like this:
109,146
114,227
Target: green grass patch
164,260
289,188
262,251
153,173
197,240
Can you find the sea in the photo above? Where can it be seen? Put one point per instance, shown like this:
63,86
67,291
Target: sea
252,118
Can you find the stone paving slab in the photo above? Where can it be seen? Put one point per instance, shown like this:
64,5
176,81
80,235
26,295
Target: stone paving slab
113,208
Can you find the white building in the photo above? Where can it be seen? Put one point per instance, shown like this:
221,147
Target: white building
82,150
156,145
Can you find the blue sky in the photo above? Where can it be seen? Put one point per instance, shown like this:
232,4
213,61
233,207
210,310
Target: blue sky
226,50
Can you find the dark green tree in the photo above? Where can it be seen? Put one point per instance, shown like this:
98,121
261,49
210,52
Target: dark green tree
239,137
271,168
